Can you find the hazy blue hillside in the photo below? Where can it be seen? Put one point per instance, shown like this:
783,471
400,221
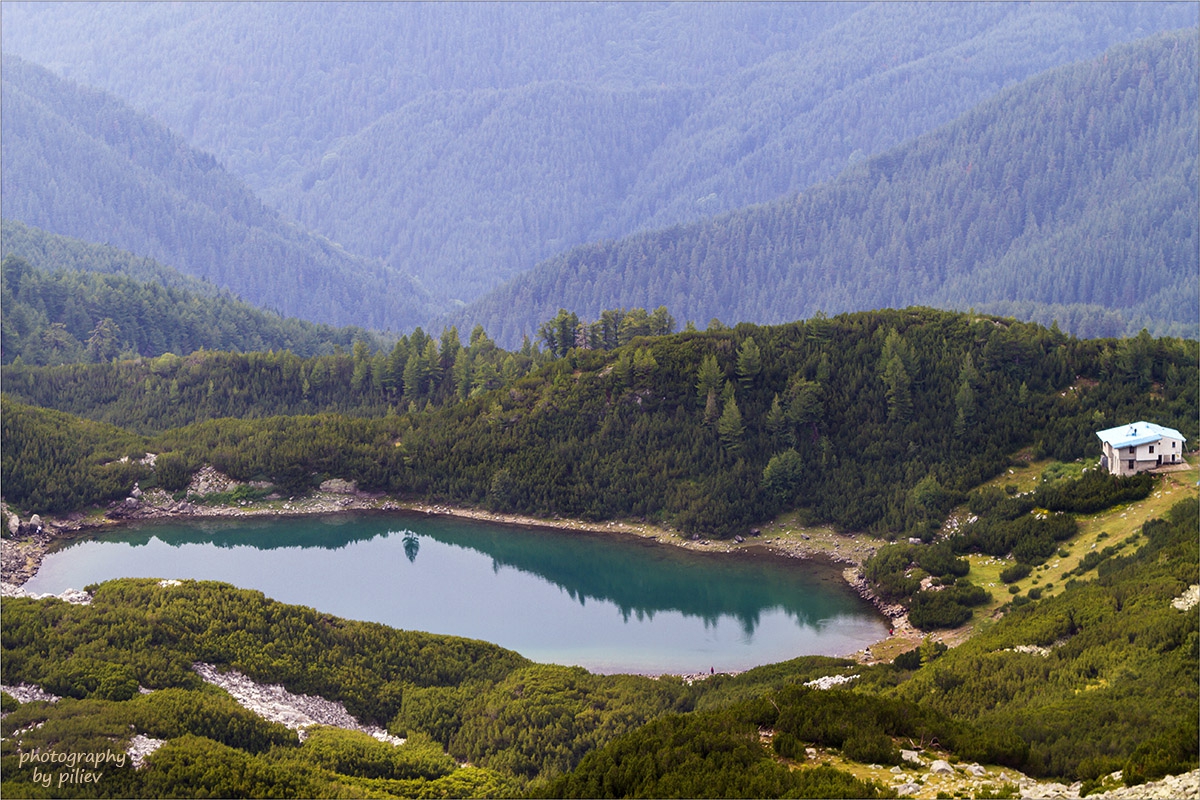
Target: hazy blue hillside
51,252
80,163
512,186
465,142
295,77
1073,196
66,301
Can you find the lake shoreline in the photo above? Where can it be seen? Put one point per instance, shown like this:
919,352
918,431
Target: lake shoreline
21,556
37,536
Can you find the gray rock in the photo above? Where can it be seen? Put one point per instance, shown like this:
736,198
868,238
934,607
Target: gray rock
76,597
908,788
976,771
912,757
36,522
141,746
940,767
28,693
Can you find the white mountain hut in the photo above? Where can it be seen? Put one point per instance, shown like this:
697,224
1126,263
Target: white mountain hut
1139,447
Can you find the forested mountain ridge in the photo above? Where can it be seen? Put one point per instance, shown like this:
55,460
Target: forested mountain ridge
78,162
52,252
552,124
150,395
1072,196
874,421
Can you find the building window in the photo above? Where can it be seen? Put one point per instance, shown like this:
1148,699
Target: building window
1131,450
1133,464
1151,449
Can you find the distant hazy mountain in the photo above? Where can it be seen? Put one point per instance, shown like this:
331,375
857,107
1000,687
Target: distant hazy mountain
78,162
1072,196
463,143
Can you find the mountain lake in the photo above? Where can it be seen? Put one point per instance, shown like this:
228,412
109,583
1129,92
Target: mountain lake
608,603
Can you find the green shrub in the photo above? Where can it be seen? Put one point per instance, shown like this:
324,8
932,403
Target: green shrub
939,560
1166,754
85,677
788,746
912,659
355,753
173,472
871,747
1094,491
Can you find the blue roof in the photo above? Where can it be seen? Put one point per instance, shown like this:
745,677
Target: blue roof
1136,433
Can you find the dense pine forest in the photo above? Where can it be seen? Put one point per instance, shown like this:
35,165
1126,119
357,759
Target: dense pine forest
66,317
610,121
873,421
1071,197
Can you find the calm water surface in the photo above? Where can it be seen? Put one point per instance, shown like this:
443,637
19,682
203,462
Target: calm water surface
607,603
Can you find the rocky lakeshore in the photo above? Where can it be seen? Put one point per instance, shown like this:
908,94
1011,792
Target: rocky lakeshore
27,540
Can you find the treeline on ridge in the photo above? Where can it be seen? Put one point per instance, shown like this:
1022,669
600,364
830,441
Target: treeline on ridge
551,126
874,421
81,163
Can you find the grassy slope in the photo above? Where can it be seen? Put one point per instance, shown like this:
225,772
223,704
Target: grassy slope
1096,531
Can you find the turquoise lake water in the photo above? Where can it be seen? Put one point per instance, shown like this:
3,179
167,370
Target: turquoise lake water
607,603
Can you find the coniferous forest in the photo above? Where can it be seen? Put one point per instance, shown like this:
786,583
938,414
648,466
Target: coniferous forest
871,421
705,268
1026,206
